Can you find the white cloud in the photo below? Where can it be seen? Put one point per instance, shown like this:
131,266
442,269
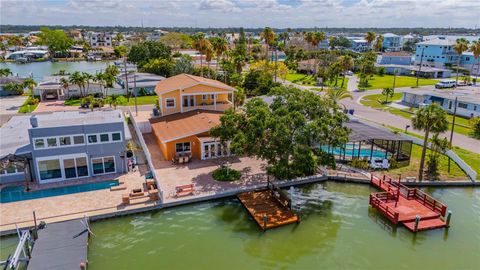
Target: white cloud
247,13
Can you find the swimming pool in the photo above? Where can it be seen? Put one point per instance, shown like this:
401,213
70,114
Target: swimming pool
18,193
349,151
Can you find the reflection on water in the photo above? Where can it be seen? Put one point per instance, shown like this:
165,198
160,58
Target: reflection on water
338,230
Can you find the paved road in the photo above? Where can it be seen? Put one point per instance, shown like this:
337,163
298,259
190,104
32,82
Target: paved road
9,106
386,118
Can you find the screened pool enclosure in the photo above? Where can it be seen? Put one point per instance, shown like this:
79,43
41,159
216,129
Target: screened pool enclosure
368,142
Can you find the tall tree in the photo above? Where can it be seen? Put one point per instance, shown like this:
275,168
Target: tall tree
379,43
388,92
461,45
65,85
431,118
220,46
335,95
56,40
200,43
346,63
370,37
268,35
143,52
29,83
5,72
285,133
475,49
77,78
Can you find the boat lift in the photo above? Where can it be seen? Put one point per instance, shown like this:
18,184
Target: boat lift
22,253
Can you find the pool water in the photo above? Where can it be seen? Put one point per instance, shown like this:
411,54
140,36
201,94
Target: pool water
349,151
18,193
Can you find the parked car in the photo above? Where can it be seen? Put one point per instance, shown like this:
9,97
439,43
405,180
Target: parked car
348,73
86,105
445,84
379,163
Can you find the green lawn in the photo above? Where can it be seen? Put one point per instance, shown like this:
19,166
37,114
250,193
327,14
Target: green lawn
373,102
471,158
304,79
25,108
380,82
412,169
143,100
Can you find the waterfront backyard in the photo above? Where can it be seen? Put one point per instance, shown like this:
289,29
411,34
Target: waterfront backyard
337,225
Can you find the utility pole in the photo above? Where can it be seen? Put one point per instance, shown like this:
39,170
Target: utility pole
394,78
135,92
126,76
420,66
453,126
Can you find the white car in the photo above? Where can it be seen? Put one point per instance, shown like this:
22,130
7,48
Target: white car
446,84
379,163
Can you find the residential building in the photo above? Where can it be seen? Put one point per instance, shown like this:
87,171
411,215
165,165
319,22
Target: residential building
140,80
468,101
185,92
439,52
408,39
190,106
99,39
156,35
28,54
395,58
6,80
410,70
63,146
392,42
359,44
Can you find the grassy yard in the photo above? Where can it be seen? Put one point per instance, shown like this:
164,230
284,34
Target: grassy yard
471,158
309,80
373,102
143,100
26,108
380,82
412,170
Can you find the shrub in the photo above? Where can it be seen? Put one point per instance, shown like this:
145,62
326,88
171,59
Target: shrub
475,124
359,163
32,101
226,174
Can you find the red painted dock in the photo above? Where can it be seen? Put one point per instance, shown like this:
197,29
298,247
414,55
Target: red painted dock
401,204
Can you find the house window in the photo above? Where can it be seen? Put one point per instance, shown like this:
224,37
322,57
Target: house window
52,142
92,138
462,105
39,143
82,167
170,103
49,169
182,147
104,137
204,97
65,141
212,96
116,136
79,139
103,165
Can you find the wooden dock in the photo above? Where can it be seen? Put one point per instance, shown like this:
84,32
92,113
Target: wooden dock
410,207
61,246
270,208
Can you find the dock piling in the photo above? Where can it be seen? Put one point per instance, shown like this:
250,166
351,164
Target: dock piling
449,216
417,220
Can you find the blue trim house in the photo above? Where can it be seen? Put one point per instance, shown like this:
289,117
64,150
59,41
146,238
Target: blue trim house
468,102
63,146
392,42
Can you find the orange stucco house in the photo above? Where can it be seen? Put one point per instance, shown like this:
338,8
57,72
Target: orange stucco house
190,106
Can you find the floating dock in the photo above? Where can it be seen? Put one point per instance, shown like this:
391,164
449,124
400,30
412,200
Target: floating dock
270,208
61,246
410,207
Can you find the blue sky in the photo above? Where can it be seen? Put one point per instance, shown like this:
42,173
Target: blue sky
247,13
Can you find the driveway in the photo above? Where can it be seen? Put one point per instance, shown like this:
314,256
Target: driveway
55,106
9,106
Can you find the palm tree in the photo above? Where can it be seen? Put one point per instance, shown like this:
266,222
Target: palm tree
209,52
475,48
461,45
14,88
30,84
315,38
199,44
370,37
379,43
431,118
346,63
78,79
100,79
268,36
5,72
65,85
220,46
87,77
335,95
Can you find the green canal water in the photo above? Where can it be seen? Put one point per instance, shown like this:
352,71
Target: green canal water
41,69
337,231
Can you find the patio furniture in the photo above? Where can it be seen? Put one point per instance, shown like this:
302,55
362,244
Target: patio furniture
150,183
125,199
136,192
184,190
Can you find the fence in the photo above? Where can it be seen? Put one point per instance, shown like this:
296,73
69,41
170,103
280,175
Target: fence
464,166
147,153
